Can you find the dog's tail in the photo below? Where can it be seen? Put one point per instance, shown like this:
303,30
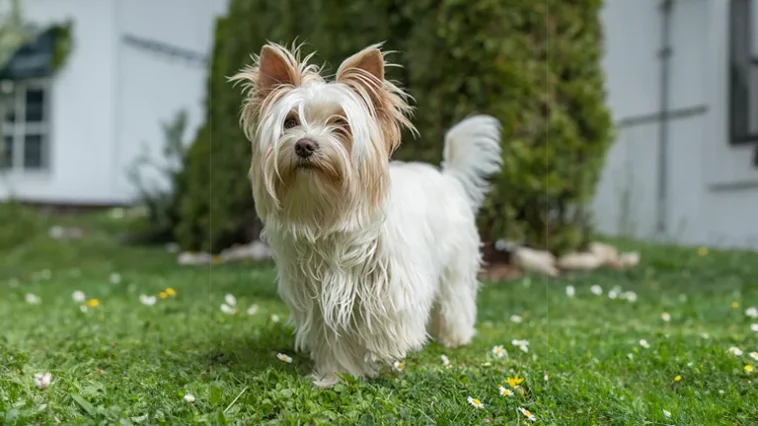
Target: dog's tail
472,154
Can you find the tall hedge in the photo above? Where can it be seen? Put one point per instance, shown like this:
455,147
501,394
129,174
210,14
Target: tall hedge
533,65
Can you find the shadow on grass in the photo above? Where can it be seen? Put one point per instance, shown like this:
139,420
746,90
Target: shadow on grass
258,352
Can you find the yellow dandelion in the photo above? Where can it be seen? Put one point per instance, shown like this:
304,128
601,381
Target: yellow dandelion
678,378
748,368
702,251
93,303
475,402
735,305
170,291
163,295
514,381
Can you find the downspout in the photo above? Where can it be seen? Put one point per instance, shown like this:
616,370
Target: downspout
116,106
663,129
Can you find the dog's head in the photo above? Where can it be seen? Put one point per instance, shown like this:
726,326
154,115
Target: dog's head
320,148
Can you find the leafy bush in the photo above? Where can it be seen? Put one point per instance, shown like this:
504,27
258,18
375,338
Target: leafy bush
18,224
161,204
458,58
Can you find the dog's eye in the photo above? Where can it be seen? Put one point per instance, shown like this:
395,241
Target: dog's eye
340,122
290,123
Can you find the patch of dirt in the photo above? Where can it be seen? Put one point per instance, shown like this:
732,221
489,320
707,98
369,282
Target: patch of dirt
497,265
500,272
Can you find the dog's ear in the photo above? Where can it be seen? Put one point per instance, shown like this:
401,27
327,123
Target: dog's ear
364,73
271,74
276,68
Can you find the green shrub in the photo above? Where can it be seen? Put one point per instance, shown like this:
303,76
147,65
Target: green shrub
161,205
459,58
18,224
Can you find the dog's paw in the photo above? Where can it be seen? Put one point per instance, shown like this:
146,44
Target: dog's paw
452,343
326,381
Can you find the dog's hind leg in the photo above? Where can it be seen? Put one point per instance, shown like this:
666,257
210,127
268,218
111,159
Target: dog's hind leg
454,314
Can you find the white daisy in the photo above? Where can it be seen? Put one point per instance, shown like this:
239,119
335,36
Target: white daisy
79,296
274,318
612,294
754,327
487,364
230,300
83,308
629,296
115,278
252,310
752,312
445,360
499,352
596,290
228,309
528,414
517,319
522,344
398,365
644,344
475,402
667,413
285,358
735,351
32,299
504,392
147,300
666,316
189,397
570,291
42,380
753,355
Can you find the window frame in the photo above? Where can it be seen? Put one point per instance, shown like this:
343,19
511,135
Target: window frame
20,129
742,62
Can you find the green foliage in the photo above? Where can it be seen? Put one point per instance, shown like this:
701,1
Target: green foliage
18,223
534,65
63,44
161,204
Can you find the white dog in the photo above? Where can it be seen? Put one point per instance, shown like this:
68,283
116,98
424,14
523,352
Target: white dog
373,256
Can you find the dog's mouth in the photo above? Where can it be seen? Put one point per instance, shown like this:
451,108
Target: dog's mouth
305,165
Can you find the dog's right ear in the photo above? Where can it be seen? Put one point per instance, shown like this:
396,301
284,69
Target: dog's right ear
273,72
276,68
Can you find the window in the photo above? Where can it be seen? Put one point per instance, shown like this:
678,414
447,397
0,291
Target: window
743,90
26,127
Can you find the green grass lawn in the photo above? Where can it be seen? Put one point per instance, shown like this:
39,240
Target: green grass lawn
123,362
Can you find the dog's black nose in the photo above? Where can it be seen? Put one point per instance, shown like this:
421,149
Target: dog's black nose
304,148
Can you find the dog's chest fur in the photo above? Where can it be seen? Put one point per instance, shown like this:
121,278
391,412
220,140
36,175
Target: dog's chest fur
340,283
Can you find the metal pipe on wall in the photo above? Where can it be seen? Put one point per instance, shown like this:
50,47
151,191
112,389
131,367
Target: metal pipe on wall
663,129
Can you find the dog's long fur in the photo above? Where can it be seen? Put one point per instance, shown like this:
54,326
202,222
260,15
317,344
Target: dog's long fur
373,256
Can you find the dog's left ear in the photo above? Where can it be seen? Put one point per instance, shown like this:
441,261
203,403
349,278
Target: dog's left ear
364,73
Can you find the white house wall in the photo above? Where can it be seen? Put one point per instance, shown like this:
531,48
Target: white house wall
80,148
153,86
712,186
